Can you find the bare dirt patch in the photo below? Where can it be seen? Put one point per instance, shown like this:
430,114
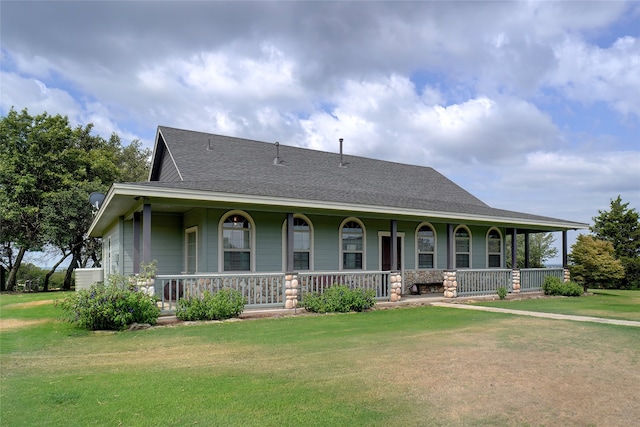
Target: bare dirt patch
30,304
11,324
496,377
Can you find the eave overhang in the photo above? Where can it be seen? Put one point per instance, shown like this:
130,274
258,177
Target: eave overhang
123,199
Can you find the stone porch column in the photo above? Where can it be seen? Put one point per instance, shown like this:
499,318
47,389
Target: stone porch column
515,280
291,290
450,284
395,277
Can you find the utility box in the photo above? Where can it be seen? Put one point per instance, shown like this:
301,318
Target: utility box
85,277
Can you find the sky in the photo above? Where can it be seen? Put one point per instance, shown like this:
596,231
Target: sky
532,106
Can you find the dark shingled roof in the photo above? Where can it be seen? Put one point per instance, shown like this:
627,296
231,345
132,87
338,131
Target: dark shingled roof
225,164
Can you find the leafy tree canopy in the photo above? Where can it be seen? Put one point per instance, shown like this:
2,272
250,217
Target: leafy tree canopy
620,226
47,171
594,263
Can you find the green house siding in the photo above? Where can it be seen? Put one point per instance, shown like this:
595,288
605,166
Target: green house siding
127,247
196,218
209,240
167,243
111,250
268,250
326,243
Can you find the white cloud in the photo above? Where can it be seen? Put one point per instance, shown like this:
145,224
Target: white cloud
20,92
377,117
308,73
588,73
572,185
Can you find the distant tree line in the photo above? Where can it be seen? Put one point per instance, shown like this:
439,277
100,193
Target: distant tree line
47,171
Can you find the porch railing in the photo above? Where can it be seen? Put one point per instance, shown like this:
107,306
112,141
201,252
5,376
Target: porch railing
318,281
482,282
531,279
260,289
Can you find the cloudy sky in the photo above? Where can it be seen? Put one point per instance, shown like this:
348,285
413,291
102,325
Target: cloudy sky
531,106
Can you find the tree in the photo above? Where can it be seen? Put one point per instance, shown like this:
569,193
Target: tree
47,171
621,226
593,263
541,249
32,167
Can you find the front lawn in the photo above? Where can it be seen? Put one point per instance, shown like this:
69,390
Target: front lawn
405,366
608,303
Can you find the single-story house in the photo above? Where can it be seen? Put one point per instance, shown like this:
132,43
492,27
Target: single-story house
276,221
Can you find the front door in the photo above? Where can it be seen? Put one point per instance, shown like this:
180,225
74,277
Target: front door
386,253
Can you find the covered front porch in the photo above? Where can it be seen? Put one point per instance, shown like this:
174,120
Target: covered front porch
275,255
286,290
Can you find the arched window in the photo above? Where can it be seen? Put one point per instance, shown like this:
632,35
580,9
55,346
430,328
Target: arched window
463,247
237,242
352,238
494,249
426,246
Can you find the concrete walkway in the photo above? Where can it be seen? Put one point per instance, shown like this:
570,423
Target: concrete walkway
539,314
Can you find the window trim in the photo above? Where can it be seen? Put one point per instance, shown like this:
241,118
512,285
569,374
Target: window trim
435,246
364,244
187,231
311,242
496,229
221,249
455,251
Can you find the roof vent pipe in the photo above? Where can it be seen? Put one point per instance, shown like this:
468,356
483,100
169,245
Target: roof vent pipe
209,147
341,162
276,161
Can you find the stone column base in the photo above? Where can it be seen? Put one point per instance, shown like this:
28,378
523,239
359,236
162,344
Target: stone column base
515,280
450,284
396,286
291,290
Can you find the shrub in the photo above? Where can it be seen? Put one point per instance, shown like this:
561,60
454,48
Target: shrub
110,307
555,286
502,292
224,304
339,298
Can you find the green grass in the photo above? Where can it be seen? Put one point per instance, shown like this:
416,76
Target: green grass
409,366
613,304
